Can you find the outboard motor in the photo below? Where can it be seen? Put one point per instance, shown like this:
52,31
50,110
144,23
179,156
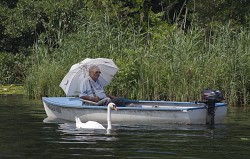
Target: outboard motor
210,97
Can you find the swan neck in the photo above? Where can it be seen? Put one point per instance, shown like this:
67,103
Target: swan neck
109,118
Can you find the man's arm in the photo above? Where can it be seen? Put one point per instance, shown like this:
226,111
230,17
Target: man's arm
94,99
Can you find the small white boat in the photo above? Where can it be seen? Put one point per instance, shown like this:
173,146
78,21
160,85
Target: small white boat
137,111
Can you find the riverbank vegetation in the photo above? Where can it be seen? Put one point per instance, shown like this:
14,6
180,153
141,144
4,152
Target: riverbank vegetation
11,89
160,57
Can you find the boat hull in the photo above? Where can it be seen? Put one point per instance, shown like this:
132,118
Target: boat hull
141,112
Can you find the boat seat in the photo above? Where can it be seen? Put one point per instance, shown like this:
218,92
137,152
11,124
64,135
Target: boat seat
88,102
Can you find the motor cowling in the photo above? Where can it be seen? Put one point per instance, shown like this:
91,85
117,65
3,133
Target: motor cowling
210,95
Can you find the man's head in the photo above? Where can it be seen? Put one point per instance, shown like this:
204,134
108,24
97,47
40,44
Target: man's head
94,72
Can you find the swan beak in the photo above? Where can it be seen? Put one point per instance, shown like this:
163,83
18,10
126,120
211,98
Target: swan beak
114,107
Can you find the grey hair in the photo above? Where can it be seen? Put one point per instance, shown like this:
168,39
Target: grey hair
92,67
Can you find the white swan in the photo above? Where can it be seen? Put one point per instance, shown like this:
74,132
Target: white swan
94,124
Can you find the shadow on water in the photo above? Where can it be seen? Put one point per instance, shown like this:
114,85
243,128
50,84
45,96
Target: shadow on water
25,133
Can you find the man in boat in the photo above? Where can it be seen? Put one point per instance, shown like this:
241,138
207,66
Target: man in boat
92,90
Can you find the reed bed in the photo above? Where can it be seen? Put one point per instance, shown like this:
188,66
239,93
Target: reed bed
173,66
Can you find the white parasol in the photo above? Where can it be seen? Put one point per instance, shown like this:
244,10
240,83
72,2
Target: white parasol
71,82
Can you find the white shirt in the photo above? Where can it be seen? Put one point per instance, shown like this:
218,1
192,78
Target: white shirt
86,90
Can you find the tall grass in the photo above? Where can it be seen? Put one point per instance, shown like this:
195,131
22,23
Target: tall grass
172,66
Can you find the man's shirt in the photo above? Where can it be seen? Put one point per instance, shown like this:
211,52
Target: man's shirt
86,90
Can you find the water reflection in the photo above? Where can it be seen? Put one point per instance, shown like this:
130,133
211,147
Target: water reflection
70,133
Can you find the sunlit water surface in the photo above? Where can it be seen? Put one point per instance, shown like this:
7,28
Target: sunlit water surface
24,134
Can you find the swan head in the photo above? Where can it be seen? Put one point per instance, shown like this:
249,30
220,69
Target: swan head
112,106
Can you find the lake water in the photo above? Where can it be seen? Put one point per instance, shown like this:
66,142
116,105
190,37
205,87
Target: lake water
24,135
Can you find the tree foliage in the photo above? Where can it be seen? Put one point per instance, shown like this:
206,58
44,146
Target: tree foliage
220,11
22,22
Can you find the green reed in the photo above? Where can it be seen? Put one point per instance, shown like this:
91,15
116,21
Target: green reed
159,65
